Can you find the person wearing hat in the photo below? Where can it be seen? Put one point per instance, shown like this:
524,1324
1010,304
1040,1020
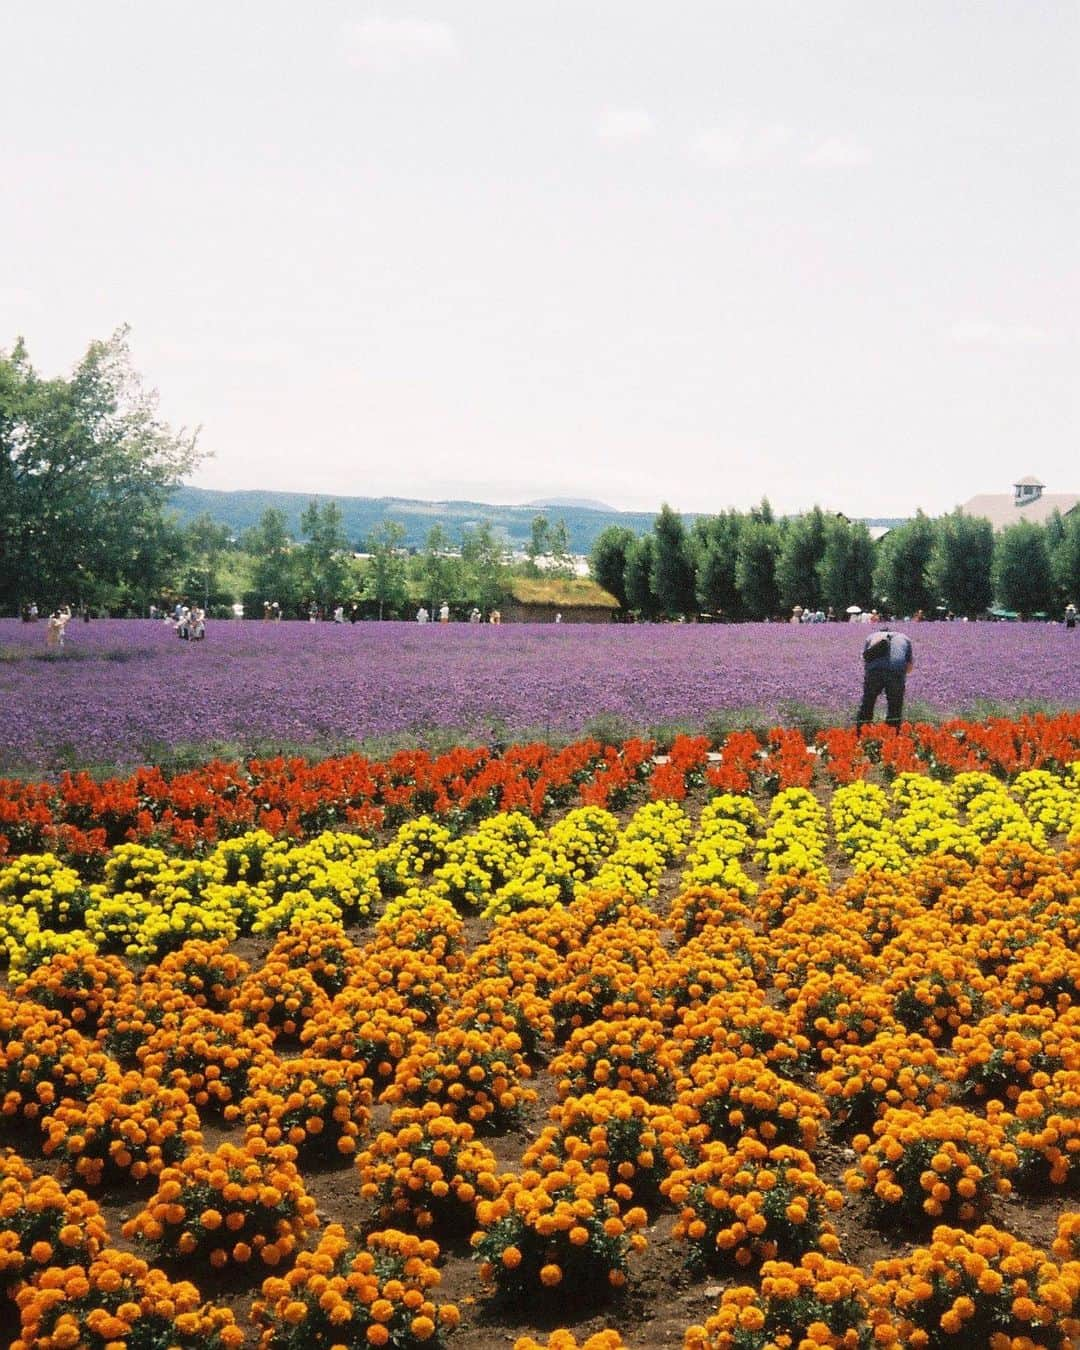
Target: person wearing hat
887,659
1070,615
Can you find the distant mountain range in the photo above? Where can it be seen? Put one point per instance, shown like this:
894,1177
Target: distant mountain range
584,519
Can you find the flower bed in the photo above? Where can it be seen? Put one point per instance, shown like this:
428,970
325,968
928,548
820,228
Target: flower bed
608,1055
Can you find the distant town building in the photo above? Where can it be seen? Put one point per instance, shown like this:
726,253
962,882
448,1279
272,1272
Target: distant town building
1029,501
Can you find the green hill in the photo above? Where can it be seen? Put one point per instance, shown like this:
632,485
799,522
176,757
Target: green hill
241,510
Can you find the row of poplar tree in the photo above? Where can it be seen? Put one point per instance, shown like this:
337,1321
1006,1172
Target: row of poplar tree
752,565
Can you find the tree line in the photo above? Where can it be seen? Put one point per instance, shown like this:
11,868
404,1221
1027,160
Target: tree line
751,565
87,468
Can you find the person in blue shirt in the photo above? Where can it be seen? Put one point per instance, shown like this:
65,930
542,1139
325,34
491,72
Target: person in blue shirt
887,658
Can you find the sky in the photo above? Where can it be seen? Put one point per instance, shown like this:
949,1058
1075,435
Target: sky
696,252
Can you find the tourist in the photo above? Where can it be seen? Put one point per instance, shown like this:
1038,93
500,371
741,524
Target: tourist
422,615
495,617
183,622
275,611
313,612
238,610
887,659
354,613
1070,615
558,617
197,624
339,614
444,612
54,631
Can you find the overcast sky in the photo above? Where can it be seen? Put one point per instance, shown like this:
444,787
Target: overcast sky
692,251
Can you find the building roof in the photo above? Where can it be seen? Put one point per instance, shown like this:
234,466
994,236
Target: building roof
1029,481
579,593
1002,510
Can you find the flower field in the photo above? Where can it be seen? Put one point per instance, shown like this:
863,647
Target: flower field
762,1043
127,692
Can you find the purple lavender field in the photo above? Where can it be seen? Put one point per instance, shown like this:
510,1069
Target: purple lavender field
126,692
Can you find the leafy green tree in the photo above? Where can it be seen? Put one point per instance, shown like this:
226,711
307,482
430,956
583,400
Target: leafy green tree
1064,545
86,467
438,570
673,568
845,572
901,570
1021,572
607,562
715,543
561,560
763,513
205,542
801,551
959,567
755,568
386,576
484,567
539,545
275,574
550,542
324,557
637,580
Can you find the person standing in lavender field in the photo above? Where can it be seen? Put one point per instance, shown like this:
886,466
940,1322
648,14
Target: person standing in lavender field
887,660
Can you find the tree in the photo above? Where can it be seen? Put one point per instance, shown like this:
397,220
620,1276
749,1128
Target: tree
483,561
539,545
552,543
801,551
1064,545
607,562
275,576
561,560
204,543
86,467
755,568
387,573
673,570
845,572
323,558
438,569
637,581
715,543
1021,571
959,567
901,572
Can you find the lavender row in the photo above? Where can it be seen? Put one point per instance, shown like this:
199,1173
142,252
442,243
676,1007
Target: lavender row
124,691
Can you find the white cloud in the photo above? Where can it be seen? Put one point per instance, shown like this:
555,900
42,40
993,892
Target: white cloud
624,126
983,333
838,152
391,45
736,145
